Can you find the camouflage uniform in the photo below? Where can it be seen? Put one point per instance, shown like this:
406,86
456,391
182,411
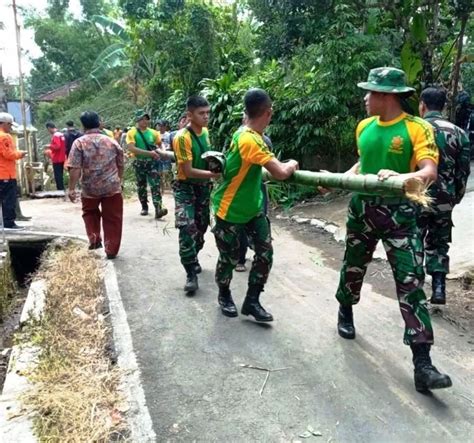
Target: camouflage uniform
435,222
147,172
192,215
394,222
228,237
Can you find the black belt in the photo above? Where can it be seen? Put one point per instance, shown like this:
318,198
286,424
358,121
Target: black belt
378,200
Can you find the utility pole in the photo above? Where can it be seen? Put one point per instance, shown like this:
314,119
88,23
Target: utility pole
22,85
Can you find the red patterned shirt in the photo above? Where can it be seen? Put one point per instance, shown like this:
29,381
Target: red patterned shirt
100,158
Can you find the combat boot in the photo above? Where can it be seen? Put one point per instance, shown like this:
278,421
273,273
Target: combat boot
252,304
191,285
427,377
144,210
160,212
345,322
438,285
226,303
197,268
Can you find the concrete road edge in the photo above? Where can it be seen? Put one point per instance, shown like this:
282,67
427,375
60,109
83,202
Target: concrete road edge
138,416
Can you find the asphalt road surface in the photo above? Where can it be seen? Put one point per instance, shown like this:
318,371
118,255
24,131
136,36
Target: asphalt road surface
193,359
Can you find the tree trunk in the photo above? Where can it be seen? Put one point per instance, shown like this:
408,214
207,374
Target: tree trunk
457,69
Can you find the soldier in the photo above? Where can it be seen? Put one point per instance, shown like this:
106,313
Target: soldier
453,170
391,143
238,205
192,188
142,142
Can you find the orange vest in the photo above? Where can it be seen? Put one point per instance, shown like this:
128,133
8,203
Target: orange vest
8,156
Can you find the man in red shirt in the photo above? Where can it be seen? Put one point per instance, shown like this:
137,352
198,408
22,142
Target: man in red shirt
8,156
58,154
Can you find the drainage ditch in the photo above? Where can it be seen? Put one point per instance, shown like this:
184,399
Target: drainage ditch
20,262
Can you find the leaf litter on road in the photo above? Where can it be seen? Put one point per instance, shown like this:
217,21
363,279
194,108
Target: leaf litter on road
310,432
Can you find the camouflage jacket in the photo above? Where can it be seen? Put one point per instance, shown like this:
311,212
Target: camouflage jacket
454,163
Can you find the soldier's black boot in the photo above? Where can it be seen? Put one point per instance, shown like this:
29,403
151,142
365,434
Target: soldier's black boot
438,285
345,322
427,377
160,212
226,303
144,210
191,279
252,304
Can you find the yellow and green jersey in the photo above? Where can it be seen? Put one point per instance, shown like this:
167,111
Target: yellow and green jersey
186,148
398,145
151,136
239,197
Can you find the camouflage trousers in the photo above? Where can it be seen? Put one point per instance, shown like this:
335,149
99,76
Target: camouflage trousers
228,237
147,173
435,225
370,220
192,215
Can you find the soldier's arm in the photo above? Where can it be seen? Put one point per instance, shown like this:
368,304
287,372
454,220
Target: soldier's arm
354,170
279,170
191,172
463,167
132,147
427,172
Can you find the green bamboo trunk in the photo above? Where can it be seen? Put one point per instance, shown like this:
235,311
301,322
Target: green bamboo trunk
367,184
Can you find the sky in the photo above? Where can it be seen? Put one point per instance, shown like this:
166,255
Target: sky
8,55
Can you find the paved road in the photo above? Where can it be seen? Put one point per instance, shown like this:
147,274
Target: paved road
191,356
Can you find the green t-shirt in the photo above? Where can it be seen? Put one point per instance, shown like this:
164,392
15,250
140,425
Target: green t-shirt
151,136
186,148
238,198
398,145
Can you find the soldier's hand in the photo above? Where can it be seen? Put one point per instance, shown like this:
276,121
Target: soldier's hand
155,155
215,175
383,174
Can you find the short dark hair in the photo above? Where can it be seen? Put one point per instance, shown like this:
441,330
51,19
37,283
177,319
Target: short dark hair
434,98
256,102
90,120
50,125
196,101
70,124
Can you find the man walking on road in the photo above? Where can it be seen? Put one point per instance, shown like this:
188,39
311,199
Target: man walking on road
8,156
238,205
70,136
391,143
58,154
192,188
97,160
435,221
143,142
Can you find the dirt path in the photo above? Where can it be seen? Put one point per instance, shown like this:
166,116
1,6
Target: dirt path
191,356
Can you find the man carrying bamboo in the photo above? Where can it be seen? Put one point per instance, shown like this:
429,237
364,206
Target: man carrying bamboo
453,171
192,188
391,143
238,205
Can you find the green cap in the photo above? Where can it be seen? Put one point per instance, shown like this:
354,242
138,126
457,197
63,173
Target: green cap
389,80
140,113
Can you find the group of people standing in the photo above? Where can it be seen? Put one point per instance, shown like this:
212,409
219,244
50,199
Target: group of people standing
390,142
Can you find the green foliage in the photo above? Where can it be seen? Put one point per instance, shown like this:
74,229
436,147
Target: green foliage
68,51
226,107
286,195
112,103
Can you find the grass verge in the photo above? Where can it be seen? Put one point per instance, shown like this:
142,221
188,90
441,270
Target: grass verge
75,395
